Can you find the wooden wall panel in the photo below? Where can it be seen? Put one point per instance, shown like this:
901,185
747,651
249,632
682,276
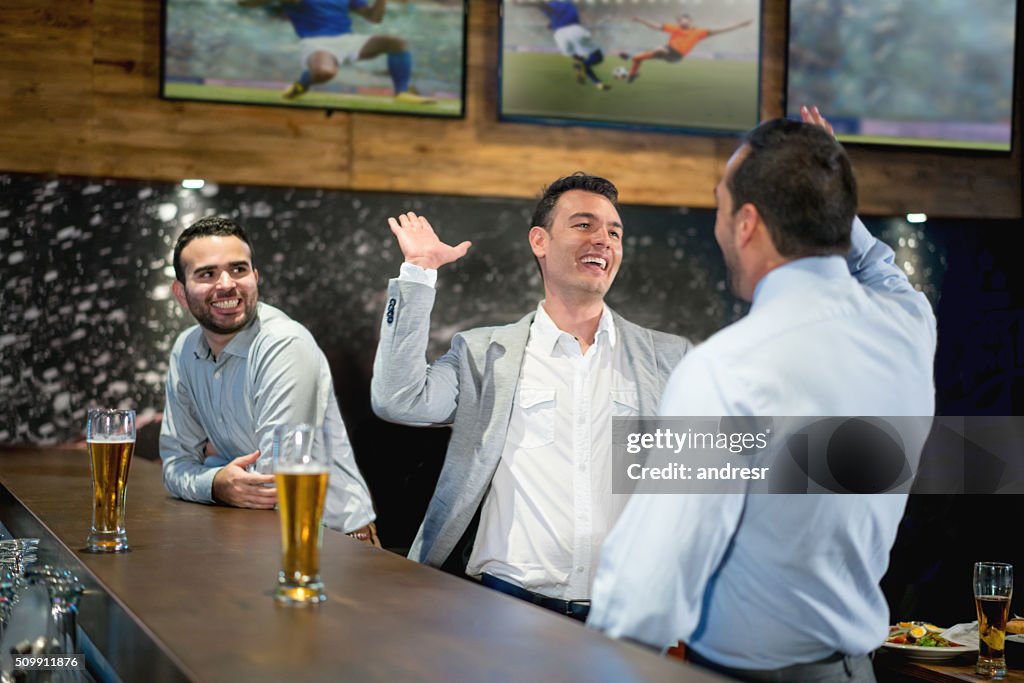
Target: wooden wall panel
45,83
79,94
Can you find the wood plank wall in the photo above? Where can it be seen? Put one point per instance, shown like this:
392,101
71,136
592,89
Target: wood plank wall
79,95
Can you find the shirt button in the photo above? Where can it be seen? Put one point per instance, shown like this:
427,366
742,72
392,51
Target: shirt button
579,569
583,468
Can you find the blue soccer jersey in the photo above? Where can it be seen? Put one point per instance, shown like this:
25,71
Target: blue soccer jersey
561,14
316,18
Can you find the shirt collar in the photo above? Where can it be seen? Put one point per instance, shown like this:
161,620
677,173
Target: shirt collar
799,274
547,334
239,344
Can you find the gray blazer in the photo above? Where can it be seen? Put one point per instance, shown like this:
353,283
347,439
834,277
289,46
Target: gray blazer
472,388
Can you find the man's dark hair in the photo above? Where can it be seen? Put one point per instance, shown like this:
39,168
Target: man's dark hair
211,226
577,181
801,181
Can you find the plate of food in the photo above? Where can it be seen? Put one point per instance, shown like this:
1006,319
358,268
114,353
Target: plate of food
921,640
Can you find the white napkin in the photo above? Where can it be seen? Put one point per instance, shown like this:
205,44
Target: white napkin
967,634
964,634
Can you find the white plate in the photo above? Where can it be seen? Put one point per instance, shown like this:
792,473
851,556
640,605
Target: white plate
929,653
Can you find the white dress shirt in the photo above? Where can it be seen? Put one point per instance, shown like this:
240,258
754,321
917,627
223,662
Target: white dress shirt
550,503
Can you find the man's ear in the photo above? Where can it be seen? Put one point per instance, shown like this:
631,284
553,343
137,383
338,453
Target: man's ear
179,293
256,275
748,218
539,241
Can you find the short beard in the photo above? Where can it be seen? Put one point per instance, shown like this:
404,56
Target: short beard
732,275
205,319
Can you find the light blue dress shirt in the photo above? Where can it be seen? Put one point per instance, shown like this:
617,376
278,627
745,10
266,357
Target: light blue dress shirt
271,373
767,581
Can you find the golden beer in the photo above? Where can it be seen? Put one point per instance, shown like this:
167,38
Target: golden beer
301,494
993,588
110,460
993,612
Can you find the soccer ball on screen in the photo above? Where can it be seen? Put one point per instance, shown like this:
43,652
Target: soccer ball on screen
620,72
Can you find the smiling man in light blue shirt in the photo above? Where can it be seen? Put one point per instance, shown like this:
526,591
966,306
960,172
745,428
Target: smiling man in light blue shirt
244,369
781,587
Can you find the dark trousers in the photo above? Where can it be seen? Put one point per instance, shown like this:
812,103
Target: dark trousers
838,668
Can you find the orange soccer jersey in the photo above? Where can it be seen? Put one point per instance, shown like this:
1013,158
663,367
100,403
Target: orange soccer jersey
682,39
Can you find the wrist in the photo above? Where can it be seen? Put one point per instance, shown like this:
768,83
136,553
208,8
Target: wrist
424,262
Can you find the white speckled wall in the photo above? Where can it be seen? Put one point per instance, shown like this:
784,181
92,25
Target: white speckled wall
88,316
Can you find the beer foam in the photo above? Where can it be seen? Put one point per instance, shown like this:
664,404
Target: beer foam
112,439
301,469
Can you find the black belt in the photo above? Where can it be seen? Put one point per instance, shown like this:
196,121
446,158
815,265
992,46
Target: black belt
577,609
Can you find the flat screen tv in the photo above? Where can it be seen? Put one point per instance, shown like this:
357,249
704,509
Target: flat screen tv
917,73
657,64
391,56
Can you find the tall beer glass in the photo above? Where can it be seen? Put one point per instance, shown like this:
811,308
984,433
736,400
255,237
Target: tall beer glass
110,435
301,468
993,588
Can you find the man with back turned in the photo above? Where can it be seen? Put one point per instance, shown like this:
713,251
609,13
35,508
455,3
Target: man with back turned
770,587
530,404
245,368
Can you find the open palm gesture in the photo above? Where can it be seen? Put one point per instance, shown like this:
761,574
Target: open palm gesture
420,245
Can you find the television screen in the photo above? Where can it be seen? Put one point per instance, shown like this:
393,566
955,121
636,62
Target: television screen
913,72
393,56
660,64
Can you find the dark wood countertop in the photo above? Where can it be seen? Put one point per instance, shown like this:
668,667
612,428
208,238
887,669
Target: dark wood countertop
199,579
894,668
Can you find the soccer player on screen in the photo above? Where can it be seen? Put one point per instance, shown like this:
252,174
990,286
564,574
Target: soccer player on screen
573,39
682,37
324,28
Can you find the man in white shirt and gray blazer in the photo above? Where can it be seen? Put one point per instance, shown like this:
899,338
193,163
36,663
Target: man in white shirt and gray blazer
530,403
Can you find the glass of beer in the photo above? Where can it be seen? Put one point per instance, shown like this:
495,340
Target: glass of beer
993,588
301,468
110,435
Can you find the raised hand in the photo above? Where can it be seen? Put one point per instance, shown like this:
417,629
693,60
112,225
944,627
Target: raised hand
420,245
813,116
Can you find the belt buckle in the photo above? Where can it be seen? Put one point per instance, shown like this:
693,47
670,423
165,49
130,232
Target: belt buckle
571,605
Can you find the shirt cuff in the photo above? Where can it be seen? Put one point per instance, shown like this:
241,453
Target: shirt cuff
410,272
198,487
860,238
861,243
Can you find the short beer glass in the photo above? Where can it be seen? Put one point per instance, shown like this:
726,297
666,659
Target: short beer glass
301,467
993,588
110,436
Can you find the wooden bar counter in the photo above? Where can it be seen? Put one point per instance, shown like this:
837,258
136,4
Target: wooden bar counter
892,668
192,600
